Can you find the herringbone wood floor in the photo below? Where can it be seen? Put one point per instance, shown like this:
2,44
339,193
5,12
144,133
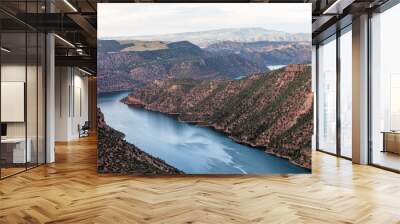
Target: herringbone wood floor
70,191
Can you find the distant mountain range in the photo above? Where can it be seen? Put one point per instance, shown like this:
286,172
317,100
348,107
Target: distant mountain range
272,111
205,38
123,65
266,53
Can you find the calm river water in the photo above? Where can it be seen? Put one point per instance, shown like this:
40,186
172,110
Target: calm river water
190,148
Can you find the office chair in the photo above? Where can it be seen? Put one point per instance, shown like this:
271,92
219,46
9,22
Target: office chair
84,130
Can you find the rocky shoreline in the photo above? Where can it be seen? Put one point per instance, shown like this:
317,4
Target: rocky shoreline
239,141
116,155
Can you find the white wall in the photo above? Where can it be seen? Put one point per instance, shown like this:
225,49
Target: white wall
62,81
80,110
71,94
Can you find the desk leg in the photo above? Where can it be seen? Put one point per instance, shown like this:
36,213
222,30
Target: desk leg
384,142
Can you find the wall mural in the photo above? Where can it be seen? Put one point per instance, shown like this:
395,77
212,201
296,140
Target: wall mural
189,88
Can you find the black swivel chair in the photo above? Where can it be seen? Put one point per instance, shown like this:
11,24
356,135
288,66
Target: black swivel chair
84,130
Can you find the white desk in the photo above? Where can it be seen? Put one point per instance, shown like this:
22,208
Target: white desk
18,155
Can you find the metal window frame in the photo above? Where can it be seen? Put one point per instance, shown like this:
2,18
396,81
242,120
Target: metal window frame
386,6
339,32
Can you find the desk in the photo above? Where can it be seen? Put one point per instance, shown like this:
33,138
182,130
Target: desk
391,141
15,148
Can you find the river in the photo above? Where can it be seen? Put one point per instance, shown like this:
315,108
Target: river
190,148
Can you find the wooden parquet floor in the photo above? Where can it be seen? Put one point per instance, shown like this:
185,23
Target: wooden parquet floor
70,191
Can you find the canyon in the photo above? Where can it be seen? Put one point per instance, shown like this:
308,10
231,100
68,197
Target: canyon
269,110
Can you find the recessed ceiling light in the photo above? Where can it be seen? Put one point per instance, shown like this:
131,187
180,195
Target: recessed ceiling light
5,50
338,6
84,71
64,40
70,5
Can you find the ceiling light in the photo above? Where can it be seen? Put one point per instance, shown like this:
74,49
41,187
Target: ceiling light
64,40
5,50
70,5
338,6
84,71
79,51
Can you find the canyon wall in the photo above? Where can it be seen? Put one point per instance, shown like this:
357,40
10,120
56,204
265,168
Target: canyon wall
272,110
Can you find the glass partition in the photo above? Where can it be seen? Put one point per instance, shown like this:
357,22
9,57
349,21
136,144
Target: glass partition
385,89
327,96
22,77
346,93
13,114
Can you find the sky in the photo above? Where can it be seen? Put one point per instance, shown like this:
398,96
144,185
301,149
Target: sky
139,19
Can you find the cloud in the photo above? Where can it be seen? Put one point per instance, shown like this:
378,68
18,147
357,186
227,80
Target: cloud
137,19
